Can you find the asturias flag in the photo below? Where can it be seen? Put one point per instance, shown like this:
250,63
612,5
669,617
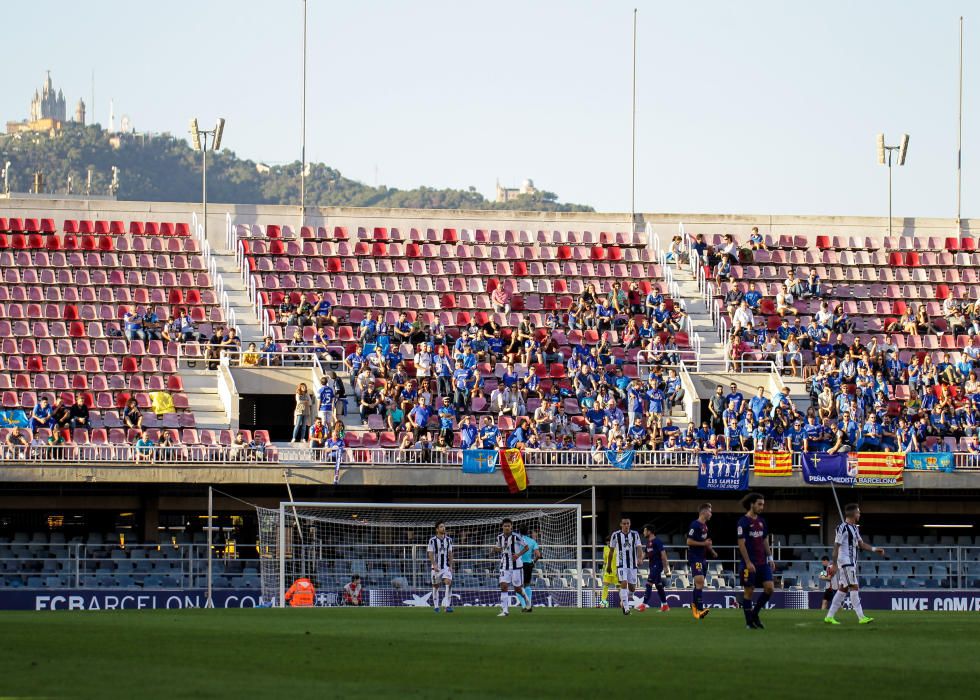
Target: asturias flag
13,419
479,461
512,465
773,464
942,461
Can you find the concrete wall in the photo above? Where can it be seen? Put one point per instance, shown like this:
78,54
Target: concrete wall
663,224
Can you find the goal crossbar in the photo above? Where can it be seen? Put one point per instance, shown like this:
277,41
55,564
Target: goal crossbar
290,510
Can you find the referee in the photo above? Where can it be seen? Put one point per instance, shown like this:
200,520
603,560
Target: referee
532,554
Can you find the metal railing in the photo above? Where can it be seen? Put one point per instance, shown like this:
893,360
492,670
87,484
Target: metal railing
355,456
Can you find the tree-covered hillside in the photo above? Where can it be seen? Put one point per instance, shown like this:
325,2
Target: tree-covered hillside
164,168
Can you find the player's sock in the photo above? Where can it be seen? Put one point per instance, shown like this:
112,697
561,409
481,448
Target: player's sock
504,601
605,593
835,604
761,603
697,598
435,598
528,595
856,604
662,594
747,609
648,596
624,599
447,601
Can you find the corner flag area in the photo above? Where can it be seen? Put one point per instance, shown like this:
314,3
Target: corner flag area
371,653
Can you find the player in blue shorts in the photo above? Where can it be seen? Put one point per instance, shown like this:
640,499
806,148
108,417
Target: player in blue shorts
753,545
656,556
698,551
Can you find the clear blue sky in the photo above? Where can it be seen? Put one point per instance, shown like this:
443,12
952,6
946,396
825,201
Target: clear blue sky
743,107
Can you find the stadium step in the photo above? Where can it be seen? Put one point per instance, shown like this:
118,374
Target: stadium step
201,388
249,328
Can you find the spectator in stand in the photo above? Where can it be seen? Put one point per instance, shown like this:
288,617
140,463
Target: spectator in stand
182,327
17,443
231,343
729,249
144,448
214,348
500,299
302,413
322,312
133,324
369,402
784,302
743,319
152,327
653,301
756,240
251,357
317,437
168,450
270,352
79,414
326,399
753,296
61,417
132,416
812,287
634,298
489,437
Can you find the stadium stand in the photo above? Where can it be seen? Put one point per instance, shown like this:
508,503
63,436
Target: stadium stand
64,298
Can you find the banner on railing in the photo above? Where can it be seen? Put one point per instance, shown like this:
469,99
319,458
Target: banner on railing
479,461
725,471
773,463
512,464
622,459
823,468
930,461
879,468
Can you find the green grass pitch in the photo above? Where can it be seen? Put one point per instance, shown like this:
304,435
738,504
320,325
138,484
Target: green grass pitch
551,653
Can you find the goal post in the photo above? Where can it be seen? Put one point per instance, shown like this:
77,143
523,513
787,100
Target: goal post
386,545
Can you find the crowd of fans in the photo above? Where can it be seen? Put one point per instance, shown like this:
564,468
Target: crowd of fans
867,391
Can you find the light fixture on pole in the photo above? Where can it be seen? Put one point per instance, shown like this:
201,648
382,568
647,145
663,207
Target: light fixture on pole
199,142
885,158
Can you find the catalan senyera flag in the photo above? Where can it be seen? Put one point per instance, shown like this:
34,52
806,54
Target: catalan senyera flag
773,464
512,465
879,468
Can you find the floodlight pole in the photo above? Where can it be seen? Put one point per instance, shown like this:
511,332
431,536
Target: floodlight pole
889,150
633,140
959,136
302,173
202,136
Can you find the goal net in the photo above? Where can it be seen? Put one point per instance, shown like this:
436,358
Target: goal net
386,545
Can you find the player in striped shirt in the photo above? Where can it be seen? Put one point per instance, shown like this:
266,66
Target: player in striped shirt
629,552
511,547
441,561
847,543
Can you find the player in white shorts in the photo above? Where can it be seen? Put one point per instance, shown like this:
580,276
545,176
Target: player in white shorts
627,547
440,552
511,547
847,543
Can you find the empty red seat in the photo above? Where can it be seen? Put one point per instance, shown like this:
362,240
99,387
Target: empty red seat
273,231
952,243
912,258
35,241
135,228
166,229
379,249
151,228
380,233
182,229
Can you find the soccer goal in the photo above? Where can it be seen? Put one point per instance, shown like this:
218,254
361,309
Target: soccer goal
386,545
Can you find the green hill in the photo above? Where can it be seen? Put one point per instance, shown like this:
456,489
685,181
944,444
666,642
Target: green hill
164,168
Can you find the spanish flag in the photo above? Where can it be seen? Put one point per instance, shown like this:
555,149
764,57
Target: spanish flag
773,464
879,468
512,465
